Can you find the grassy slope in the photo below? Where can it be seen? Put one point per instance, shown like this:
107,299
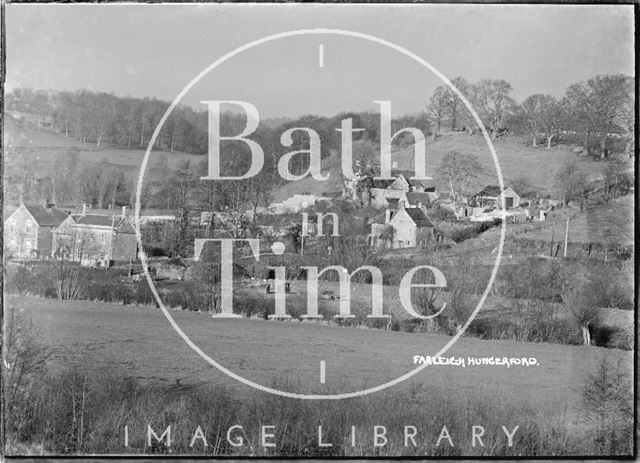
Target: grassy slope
537,165
50,148
140,341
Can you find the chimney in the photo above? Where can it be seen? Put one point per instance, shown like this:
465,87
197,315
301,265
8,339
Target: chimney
124,211
400,204
84,209
47,203
387,216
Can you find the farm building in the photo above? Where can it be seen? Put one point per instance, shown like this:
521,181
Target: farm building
28,231
490,196
95,239
385,192
405,228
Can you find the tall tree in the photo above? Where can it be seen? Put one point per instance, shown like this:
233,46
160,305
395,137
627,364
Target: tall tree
437,107
493,103
456,110
598,105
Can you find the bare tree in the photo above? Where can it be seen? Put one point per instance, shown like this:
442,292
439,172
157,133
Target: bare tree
460,170
437,107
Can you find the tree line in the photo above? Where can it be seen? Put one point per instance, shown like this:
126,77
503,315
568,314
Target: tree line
599,109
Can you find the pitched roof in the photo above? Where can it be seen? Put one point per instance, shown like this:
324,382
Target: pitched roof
407,174
95,219
419,217
418,197
489,190
99,220
46,216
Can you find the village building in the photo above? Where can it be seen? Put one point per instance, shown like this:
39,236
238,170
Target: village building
406,227
384,193
491,197
93,239
28,231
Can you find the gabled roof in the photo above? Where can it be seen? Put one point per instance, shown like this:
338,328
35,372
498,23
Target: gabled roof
119,223
489,190
419,217
493,191
407,174
96,219
417,197
46,216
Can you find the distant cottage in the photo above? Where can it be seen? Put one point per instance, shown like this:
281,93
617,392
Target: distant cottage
490,196
28,231
408,227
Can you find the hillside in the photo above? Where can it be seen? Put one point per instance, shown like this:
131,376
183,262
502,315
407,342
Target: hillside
139,340
43,148
537,165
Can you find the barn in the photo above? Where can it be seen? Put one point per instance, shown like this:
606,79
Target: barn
490,196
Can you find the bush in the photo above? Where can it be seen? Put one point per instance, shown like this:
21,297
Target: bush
612,337
608,407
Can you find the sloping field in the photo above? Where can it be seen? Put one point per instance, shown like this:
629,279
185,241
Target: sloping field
44,148
537,165
612,224
139,341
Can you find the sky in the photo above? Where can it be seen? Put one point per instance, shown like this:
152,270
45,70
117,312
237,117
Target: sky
156,50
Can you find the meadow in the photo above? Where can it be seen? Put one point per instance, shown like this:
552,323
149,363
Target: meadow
139,341
112,366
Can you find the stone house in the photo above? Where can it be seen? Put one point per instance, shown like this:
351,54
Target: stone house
28,231
407,227
95,239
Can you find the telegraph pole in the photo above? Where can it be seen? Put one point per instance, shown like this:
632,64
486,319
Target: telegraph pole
566,239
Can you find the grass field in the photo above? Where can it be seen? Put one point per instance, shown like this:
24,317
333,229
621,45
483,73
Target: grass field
140,342
612,224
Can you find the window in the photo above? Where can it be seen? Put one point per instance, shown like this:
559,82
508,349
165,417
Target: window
28,227
12,227
12,244
27,246
103,238
102,254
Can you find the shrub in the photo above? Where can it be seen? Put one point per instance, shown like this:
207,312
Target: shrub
608,407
